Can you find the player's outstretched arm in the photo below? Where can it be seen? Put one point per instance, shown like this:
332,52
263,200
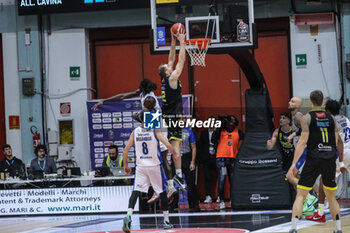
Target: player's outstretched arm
161,138
125,153
271,142
180,63
117,97
172,57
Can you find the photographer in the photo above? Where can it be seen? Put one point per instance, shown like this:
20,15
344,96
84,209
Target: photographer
227,141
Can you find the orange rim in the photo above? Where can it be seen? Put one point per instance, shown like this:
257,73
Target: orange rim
199,41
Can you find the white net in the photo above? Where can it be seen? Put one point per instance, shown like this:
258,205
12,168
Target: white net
197,54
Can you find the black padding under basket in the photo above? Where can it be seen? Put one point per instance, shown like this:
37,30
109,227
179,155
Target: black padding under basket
258,181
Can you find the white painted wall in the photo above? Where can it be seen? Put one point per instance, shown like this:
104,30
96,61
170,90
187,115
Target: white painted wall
67,48
11,90
324,76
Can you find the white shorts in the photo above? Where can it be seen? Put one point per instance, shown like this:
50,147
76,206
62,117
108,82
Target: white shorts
152,175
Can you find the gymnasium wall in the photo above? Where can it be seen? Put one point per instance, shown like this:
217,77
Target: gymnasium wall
11,91
2,101
324,75
69,48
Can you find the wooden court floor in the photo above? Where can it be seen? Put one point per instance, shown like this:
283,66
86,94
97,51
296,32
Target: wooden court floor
209,220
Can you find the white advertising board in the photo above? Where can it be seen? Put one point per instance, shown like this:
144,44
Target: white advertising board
65,200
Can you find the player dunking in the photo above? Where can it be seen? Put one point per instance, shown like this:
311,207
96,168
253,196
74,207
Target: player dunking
149,170
319,131
172,100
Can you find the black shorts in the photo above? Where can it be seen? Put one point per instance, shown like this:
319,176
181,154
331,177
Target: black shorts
174,132
313,168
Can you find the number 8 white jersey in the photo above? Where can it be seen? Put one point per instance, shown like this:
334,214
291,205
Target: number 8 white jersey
343,125
146,147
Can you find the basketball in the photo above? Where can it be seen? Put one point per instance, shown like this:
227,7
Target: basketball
177,27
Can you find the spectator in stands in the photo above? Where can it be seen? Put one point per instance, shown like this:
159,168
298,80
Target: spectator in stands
11,164
281,135
113,159
43,163
189,151
227,139
207,155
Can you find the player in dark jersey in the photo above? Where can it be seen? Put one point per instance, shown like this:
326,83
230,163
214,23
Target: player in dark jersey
171,98
319,132
281,135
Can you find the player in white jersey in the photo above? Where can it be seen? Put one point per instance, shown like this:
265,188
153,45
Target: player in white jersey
333,107
149,101
146,88
149,170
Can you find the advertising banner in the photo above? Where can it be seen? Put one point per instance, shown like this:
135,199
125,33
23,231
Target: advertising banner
65,200
112,123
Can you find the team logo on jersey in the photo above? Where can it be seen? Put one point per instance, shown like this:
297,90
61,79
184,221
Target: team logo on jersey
152,120
320,114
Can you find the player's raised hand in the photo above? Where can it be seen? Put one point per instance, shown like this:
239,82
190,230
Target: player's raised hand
181,36
97,105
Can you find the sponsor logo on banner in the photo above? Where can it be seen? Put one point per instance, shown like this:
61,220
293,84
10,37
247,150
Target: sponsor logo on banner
127,114
106,120
257,198
96,115
125,135
137,124
97,143
65,200
127,119
98,162
258,161
96,120
108,143
98,135
110,134
106,114
127,125
117,119
116,114
137,104
118,143
98,150
117,126
107,126
97,126
99,156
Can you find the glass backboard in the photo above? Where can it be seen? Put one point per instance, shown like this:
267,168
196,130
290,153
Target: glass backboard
228,23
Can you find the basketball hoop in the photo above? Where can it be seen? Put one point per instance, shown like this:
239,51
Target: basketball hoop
197,49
